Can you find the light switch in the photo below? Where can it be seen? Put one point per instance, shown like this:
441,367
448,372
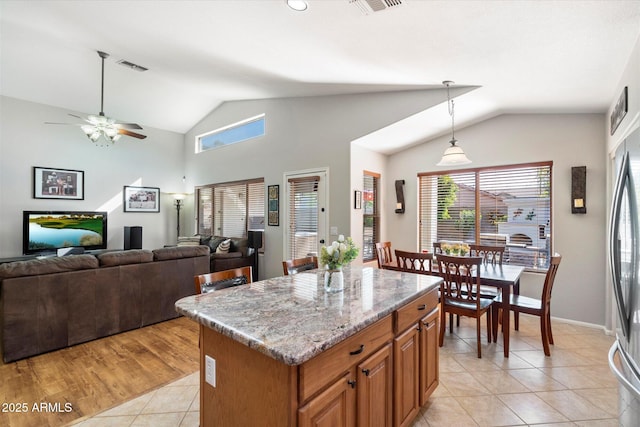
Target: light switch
210,370
333,230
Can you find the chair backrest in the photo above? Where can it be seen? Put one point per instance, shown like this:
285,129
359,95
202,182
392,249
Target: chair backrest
383,253
549,279
490,254
414,262
437,248
293,266
210,282
461,278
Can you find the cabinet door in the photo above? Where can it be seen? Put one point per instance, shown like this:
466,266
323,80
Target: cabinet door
374,389
334,407
429,355
406,349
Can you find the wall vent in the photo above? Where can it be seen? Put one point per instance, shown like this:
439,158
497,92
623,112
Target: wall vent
131,65
370,6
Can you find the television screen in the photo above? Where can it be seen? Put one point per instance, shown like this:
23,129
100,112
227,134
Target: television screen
47,231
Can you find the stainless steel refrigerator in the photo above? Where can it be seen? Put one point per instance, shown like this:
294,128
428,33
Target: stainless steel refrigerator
624,259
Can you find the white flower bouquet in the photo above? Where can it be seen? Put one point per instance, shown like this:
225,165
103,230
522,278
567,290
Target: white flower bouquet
339,253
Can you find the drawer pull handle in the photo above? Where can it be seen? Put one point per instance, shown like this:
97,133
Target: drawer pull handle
422,307
365,372
358,351
352,383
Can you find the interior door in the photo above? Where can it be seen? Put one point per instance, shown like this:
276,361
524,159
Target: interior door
306,213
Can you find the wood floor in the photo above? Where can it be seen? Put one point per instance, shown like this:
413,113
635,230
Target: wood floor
63,386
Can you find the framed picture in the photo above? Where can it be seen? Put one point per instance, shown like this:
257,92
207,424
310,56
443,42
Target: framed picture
357,199
141,199
51,183
274,205
620,110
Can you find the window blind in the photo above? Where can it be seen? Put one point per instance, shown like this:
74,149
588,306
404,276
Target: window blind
505,206
303,216
370,215
231,209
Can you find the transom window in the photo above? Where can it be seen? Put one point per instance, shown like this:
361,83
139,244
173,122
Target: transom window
505,206
252,127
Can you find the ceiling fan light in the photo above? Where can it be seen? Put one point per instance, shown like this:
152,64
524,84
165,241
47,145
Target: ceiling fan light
453,156
110,131
95,136
88,129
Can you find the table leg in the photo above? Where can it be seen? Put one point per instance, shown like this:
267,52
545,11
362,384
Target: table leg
505,319
516,314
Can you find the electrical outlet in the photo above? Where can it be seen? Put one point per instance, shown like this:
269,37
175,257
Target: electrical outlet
210,370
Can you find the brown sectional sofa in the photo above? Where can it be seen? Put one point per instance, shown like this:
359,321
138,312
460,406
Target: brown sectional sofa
48,304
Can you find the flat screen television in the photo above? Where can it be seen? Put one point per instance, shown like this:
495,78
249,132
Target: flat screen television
48,231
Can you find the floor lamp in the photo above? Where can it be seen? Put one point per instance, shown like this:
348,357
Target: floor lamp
179,197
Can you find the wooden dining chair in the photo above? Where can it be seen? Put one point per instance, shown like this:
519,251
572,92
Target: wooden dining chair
437,248
458,293
536,307
490,254
293,266
210,282
415,262
383,254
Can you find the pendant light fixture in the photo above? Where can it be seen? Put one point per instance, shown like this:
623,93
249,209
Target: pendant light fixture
453,156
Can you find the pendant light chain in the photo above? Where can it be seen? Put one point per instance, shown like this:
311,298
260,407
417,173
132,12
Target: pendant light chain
451,107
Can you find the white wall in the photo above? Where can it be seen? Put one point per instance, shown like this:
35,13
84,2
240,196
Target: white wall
25,141
567,140
367,160
301,133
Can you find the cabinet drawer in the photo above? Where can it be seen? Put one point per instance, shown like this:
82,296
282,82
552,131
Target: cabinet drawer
415,310
322,369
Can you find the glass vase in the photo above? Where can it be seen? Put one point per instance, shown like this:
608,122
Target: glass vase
334,280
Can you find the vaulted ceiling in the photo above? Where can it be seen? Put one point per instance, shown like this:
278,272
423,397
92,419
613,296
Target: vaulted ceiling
524,56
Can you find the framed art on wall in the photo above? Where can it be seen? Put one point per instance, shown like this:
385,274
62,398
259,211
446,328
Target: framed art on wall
141,199
52,183
274,205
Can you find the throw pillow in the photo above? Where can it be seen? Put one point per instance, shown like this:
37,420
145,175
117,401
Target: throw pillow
215,241
188,240
223,248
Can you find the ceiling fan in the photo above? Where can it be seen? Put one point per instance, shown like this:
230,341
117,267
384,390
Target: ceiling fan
101,125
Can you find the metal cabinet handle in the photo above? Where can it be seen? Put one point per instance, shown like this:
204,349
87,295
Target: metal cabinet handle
352,383
365,372
422,307
358,351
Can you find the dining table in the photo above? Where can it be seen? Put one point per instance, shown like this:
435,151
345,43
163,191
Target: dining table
504,277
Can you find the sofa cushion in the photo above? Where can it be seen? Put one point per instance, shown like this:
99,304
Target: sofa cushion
180,252
35,267
134,256
227,255
215,241
188,240
223,247
239,244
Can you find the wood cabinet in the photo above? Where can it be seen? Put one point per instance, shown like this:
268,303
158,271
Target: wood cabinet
379,376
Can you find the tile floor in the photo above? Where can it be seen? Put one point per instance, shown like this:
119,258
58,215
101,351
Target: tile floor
573,387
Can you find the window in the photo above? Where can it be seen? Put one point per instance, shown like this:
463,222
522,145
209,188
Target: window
508,205
230,209
370,216
237,132
303,216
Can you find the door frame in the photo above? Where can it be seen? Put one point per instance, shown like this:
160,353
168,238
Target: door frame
323,220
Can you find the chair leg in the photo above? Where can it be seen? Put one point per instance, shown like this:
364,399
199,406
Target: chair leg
489,329
545,337
450,323
495,311
443,326
549,333
478,338
458,320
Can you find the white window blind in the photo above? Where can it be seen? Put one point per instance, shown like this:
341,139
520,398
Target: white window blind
303,216
506,206
231,209
370,215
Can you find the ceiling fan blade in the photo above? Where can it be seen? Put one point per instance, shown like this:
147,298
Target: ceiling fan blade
127,125
68,124
129,133
77,117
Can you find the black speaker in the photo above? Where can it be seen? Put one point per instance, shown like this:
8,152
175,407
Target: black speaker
255,239
133,237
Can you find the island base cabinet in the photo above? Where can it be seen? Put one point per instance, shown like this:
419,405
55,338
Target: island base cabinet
334,407
365,402
406,354
429,355
251,388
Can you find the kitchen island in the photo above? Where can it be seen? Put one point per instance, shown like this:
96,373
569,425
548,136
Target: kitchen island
283,352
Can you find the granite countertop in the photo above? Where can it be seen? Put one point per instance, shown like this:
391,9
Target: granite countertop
292,318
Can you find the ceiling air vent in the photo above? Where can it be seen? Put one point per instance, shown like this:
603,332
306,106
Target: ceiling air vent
370,6
132,65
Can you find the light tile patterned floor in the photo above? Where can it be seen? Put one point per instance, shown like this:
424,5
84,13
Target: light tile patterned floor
573,387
